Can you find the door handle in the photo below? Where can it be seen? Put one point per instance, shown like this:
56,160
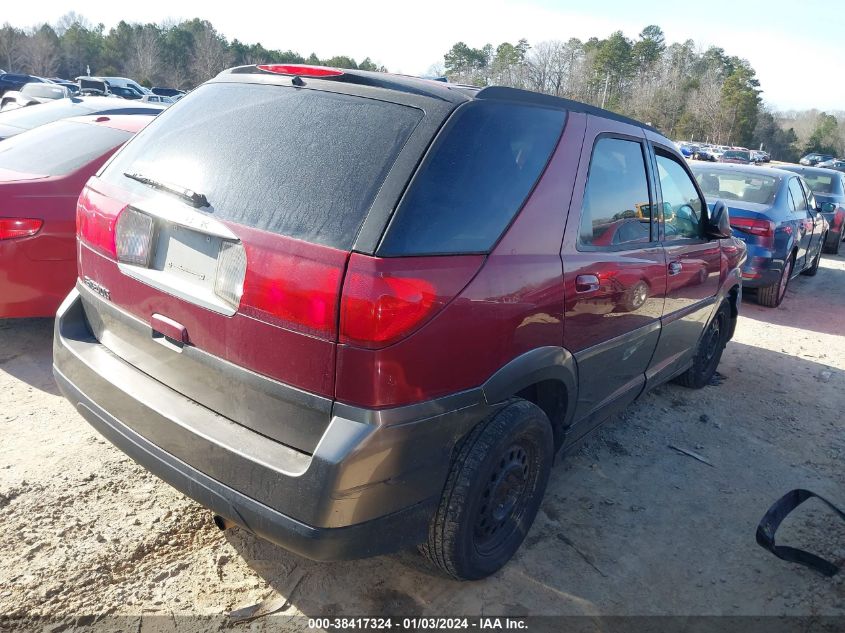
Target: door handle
586,283
675,268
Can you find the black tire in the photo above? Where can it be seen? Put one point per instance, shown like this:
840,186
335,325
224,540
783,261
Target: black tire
833,246
812,270
709,351
772,295
505,459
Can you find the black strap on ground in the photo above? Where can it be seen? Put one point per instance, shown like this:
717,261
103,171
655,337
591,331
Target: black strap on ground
770,523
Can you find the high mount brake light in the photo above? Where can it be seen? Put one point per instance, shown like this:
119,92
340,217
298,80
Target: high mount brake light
11,228
300,70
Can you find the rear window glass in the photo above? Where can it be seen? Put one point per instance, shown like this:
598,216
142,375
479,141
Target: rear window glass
33,116
58,148
44,91
301,163
821,183
730,185
474,180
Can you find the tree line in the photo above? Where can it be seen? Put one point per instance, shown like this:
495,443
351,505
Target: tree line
684,91
174,54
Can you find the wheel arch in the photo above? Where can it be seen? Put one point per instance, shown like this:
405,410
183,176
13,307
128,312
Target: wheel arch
545,376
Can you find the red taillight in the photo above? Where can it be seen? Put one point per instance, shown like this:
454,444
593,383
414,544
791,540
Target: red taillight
384,300
300,70
291,283
96,216
10,228
762,228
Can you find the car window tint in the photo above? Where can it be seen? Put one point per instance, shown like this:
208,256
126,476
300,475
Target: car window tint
474,180
799,205
616,195
59,148
682,206
302,163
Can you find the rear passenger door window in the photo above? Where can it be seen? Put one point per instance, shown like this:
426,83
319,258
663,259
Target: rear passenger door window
682,206
617,209
796,195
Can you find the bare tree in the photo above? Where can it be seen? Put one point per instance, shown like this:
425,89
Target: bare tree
40,52
145,55
211,54
11,45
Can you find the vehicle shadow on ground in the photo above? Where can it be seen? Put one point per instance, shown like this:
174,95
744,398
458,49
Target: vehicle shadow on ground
809,304
26,352
626,520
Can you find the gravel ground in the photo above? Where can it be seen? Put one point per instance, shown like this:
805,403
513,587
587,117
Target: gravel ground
628,527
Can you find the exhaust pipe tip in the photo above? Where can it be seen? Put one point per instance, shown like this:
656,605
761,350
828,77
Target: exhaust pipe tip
222,523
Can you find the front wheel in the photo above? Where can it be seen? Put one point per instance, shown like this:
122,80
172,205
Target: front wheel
495,485
709,351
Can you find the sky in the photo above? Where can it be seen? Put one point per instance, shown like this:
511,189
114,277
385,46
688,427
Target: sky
795,47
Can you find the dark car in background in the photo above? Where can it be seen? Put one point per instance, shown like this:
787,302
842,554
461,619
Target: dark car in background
736,157
22,119
32,94
42,172
775,213
815,158
168,92
16,81
828,187
367,338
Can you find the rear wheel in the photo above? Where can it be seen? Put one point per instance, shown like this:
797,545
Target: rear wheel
709,351
812,270
771,295
495,485
833,246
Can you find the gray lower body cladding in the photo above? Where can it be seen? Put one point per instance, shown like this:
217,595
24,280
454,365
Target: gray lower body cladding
369,487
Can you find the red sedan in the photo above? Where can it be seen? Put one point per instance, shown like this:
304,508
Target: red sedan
42,172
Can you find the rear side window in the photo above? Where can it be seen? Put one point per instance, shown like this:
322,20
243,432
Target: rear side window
474,180
796,197
59,148
617,209
301,163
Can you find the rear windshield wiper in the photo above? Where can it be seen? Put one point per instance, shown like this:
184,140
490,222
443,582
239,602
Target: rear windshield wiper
194,198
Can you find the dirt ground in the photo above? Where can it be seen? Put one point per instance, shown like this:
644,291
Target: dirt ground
629,526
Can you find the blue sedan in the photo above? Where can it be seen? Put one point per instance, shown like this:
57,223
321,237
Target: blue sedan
775,213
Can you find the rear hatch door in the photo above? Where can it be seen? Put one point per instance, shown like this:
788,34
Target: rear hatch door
233,216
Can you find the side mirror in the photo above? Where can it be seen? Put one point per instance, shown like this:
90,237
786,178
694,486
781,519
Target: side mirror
719,222
827,207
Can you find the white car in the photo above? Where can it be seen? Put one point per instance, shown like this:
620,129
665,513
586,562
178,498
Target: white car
31,94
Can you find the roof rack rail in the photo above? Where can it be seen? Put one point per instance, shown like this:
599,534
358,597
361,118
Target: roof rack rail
502,93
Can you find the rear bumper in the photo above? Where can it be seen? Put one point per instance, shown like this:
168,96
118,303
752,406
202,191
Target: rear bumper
370,487
761,268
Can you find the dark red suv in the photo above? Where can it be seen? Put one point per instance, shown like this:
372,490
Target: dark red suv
353,312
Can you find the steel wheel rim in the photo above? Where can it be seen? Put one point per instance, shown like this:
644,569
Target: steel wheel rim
714,336
504,499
